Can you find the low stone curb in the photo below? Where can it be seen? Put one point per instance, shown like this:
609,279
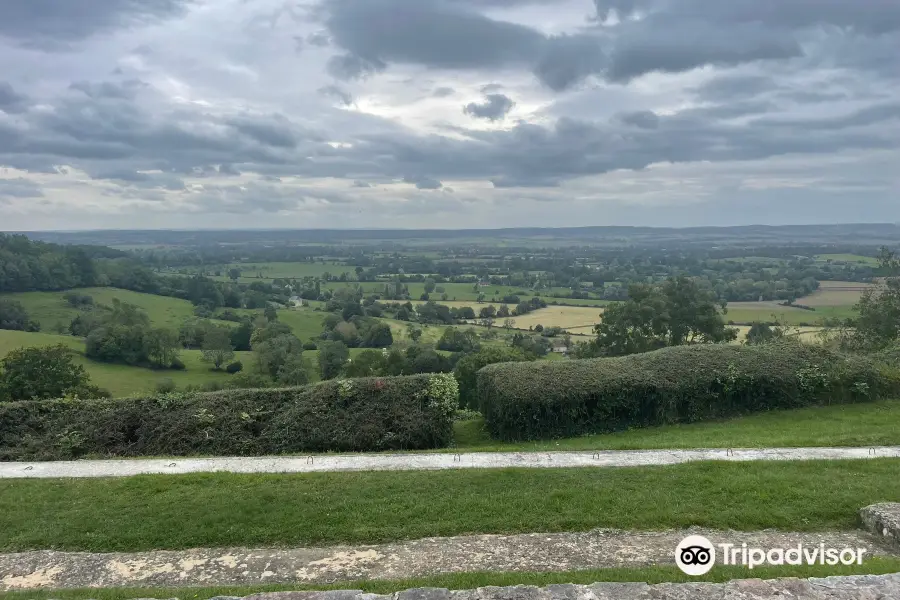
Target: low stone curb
428,461
862,587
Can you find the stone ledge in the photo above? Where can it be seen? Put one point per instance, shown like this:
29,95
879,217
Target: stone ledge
861,587
883,520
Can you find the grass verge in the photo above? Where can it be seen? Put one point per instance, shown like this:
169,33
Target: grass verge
271,510
869,424
463,581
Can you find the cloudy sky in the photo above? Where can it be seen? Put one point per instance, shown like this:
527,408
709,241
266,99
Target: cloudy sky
447,113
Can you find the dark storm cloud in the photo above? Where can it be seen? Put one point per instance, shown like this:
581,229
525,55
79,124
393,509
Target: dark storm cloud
10,100
672,36
50,23
494,107
20,188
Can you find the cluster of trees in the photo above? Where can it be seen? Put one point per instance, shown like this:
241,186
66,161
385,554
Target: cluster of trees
677,312
44,373
14,316
27,266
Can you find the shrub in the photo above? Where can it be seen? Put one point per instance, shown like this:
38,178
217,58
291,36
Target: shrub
468,366
390,413
673,385
310,346
235,367
165,386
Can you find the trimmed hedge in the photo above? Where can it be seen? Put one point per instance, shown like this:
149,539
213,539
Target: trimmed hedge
522,401
373,414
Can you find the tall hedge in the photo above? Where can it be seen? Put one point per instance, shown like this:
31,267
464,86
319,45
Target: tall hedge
388,413
684,384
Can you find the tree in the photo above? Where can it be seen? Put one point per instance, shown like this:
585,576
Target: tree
503,312
270,313
760,333
234,274
488,312
294,371
273,353
456,340
378,336
217,348
509,324
878,324
429,285
44,373
161,346
675,313
332,357
415,334
367,364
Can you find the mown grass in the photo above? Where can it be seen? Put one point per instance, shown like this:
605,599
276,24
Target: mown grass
868,424
465,581
752,312
278,510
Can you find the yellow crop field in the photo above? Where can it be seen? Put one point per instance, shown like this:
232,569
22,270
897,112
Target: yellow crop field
577,318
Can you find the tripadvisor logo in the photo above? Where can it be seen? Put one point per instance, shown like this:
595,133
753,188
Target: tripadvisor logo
695,555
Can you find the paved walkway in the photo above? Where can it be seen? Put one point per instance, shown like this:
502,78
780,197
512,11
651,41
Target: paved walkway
412,462
539,552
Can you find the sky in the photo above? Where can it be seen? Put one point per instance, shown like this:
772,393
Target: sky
195,114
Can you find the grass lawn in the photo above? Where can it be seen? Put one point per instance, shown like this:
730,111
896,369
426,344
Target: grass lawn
465,581
276,510
850,258
869,424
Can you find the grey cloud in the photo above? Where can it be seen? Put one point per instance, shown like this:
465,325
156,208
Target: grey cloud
272,130
319,38
361,184
20,188
424,183
228,169
49,23
645,119
443,92
349,66
494,107
125,90
10,100
140,179
491,88
339,94
568,59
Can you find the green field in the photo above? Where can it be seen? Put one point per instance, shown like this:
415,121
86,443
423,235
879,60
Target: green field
750,312
50,309
122,380
850,258
224,510
868,424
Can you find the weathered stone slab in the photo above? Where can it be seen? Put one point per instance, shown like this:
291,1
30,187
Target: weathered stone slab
883,520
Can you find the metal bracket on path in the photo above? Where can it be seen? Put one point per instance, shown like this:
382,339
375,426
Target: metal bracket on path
29,468
729,452
310,460
170,465
595,456
457,458
872,451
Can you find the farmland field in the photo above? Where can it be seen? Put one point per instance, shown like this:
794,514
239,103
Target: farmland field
851,258
835,293
567,317
750,312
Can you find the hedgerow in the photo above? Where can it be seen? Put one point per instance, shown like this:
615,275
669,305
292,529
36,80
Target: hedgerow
388,413
684,384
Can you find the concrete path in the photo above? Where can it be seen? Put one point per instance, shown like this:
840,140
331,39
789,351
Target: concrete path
412,462
418,558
